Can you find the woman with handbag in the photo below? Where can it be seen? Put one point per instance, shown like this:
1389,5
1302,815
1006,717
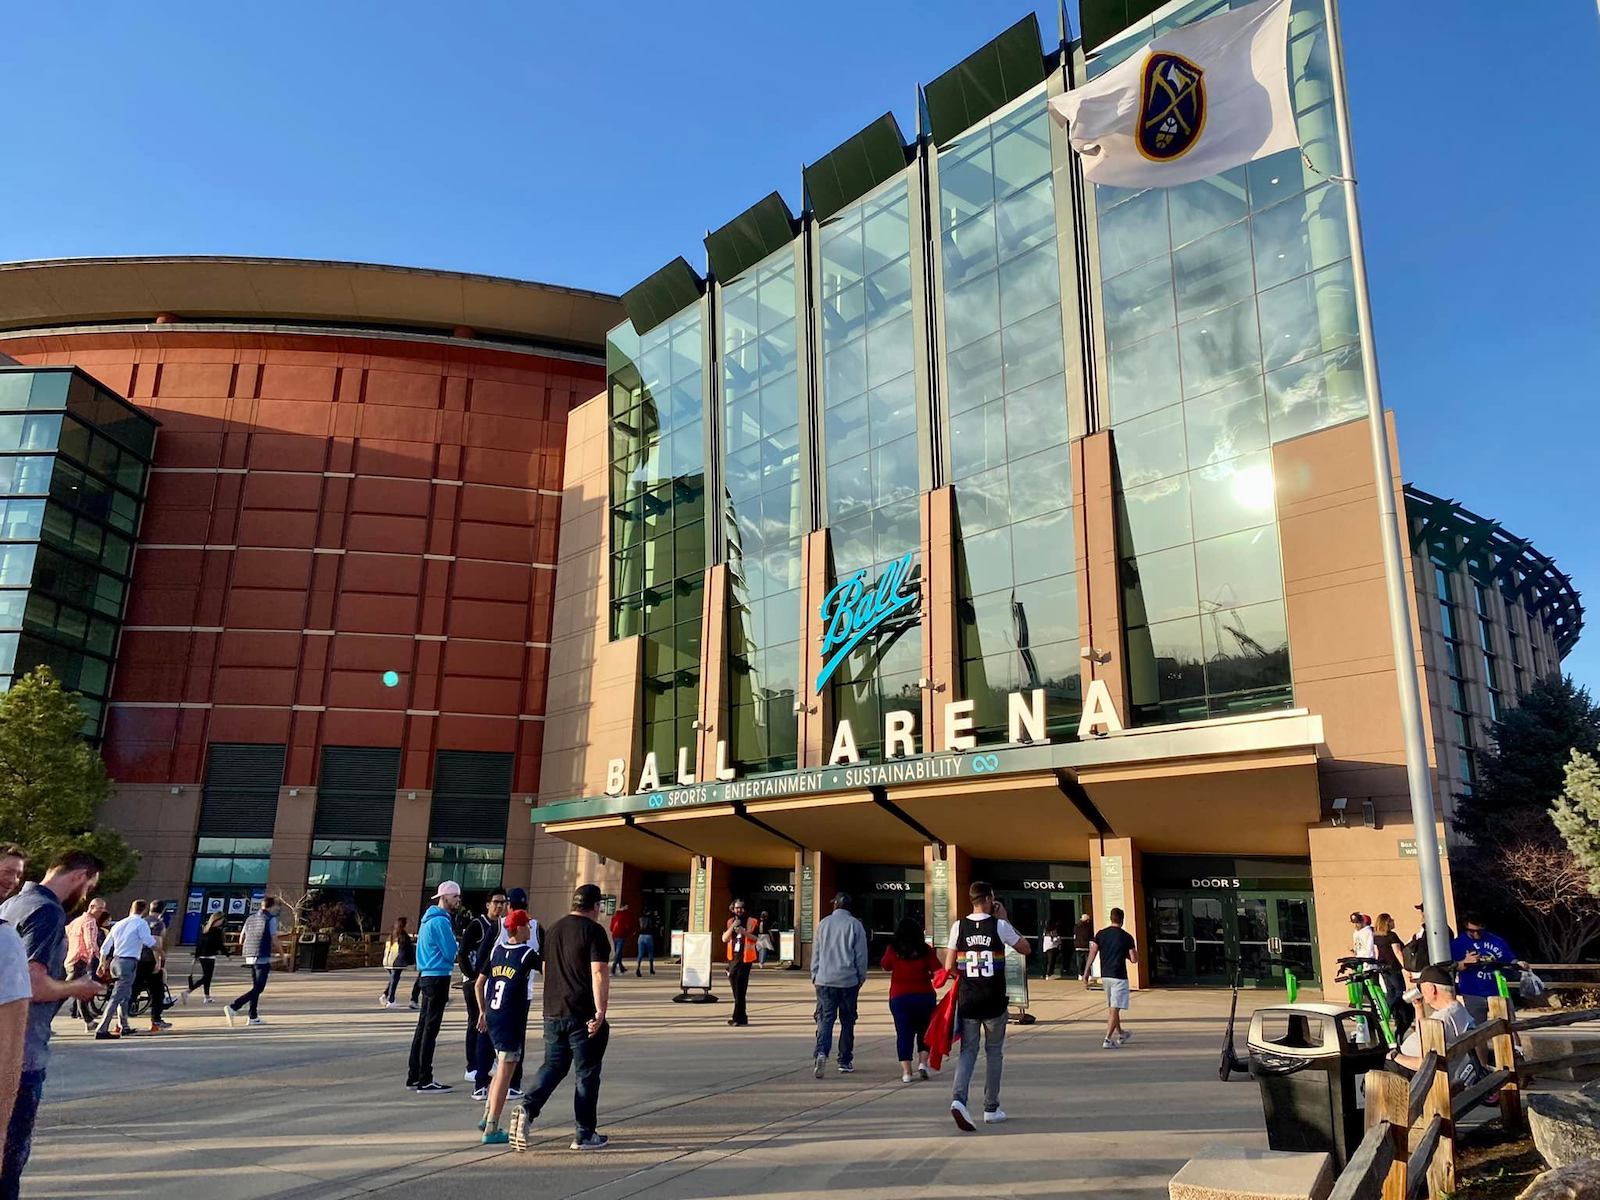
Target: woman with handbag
399,952
206,948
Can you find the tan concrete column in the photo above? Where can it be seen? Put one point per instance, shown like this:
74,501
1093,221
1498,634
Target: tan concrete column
960,864
1094,515
942,901
1116,881
710,893
291,841
408,856
714,722
941,656
824,883
815,720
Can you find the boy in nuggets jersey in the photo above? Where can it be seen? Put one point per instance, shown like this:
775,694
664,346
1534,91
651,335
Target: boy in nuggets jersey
976,954
504,992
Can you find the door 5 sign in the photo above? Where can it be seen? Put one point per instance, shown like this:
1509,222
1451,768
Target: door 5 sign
851,611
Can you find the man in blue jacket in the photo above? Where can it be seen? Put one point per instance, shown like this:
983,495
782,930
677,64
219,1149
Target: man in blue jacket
436,956
838,969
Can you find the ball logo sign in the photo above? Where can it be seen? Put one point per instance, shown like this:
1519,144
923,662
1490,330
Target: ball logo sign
1172,107
851,611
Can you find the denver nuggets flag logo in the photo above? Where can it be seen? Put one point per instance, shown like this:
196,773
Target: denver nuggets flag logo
1173,112
1193,103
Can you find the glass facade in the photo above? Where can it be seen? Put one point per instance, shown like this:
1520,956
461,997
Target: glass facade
1008,432
1457,700
1229,325
476,867
658,517
764,514
871,452
223,861
1481,600
74,460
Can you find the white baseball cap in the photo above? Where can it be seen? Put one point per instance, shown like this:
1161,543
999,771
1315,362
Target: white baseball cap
448,888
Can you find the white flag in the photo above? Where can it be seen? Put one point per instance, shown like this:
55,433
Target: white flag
1194,102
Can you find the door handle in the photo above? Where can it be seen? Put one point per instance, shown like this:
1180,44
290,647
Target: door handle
1274,945
1188,945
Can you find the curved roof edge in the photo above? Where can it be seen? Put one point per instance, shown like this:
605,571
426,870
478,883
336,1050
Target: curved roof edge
62,292
1457,535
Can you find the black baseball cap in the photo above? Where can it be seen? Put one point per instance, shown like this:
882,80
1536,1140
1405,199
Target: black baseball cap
1439,974
587,896
517,898
842,900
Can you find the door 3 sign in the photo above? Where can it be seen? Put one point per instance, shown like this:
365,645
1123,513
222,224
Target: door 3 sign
851,612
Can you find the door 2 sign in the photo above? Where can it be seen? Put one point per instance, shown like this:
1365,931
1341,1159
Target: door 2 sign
851,612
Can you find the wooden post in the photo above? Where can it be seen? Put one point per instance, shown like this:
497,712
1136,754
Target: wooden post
1505,1058
1443,1176
1388,1097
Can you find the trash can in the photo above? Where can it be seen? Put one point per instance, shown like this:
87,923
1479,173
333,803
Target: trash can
1310,1061
311,954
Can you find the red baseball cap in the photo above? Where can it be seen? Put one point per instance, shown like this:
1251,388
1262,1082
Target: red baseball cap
517,919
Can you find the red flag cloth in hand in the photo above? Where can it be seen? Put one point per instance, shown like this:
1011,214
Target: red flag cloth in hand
941,977
943,1029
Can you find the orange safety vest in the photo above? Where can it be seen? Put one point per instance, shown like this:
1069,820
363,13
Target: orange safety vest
748,934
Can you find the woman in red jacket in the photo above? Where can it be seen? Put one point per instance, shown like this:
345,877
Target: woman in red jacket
911,963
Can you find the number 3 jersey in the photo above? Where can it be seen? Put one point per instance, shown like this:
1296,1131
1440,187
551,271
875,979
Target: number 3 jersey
981,960
509,990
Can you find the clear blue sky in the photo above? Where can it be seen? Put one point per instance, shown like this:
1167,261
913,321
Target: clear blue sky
588,144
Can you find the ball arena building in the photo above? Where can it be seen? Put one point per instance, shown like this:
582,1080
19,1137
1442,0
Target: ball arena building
974,522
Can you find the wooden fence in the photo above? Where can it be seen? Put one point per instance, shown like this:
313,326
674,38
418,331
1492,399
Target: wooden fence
1409,1150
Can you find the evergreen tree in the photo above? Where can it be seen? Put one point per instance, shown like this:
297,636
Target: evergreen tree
52,783
1522,771
1577,814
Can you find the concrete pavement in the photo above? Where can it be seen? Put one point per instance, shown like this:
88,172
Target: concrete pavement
313,1104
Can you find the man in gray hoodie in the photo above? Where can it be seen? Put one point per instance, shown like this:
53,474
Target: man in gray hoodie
838,969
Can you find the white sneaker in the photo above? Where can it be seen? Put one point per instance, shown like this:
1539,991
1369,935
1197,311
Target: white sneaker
995,1117
962,1118
210,1000
905,1076
228,1014
1110,1044
256,1021
821,1062
1125,1038
472,1077
383,1000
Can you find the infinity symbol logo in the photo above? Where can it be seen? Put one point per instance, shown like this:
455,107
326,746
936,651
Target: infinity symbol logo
657,801
982,764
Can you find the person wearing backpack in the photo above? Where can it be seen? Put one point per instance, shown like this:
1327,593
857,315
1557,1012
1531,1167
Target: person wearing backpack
477,942
399,952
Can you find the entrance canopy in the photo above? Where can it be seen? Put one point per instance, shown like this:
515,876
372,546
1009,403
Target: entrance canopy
1246,785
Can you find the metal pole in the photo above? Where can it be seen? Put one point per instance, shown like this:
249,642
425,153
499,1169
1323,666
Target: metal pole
1405,650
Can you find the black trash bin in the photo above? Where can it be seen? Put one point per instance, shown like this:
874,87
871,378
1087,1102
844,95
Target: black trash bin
1310,1061
311,953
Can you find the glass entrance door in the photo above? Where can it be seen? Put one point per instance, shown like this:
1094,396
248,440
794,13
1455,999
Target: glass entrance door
1193,937
1276,925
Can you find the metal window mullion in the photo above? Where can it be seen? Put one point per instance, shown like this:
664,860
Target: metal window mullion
936,409
915,179
711,426
1078,221
813,399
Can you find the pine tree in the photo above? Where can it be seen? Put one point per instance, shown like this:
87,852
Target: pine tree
1522,770
52,783
1577,814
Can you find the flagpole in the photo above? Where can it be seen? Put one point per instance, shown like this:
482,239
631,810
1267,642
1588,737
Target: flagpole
1405,649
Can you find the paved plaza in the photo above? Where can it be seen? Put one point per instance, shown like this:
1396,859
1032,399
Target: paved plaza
313,1105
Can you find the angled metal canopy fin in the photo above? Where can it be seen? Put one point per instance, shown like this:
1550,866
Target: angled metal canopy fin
669,291
762,229
847,173
986,80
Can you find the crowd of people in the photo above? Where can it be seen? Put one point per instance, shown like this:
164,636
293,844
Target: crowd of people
503,961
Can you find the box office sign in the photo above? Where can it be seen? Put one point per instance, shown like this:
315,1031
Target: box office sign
1029,749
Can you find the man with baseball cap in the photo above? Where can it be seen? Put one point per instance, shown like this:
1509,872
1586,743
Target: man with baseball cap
1436,988
436,955
577,986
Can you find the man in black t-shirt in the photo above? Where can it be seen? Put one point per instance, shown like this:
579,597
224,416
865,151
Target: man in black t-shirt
1115,949
976,954
577,986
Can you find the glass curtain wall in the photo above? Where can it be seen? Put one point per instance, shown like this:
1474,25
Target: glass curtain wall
658,528
1458,697
73,465
1229,326
1006,384
763,518
870,445
1491,661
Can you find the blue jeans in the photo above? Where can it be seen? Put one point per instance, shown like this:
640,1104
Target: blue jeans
617,949
19,1136
567,1042
258,984
837,1002
124,971
911,1016
647,949
994,1048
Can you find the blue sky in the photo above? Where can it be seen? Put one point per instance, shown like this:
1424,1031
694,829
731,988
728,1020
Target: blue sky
588,144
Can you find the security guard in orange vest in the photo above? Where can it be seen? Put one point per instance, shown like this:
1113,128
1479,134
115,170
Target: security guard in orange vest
740,939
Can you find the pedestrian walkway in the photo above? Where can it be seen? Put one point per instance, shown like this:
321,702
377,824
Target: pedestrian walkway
313,1105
